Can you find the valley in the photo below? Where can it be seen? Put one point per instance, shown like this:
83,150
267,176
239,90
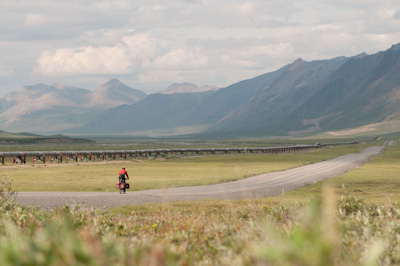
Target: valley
300,99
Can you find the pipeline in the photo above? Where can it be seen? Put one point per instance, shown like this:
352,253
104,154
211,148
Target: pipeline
59,156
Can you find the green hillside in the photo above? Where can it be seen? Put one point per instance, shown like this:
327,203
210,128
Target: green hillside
7,138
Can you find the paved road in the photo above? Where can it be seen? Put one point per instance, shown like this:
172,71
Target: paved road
265,185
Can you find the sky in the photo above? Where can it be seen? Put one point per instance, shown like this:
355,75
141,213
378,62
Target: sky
151,44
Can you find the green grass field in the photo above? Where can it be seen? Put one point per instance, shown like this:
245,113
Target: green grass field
378,181
349,220
161,173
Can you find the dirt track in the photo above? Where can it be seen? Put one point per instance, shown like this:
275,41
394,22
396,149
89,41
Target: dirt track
265,185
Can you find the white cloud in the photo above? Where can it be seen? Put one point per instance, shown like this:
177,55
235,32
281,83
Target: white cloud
158,41
133,53
396,15
121,58
4,72
275,51
34,20
181,59
327,27
140,46
247,8
87,60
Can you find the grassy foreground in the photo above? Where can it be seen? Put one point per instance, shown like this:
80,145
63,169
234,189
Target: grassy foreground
328,223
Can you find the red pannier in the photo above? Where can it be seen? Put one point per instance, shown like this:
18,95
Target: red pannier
123,185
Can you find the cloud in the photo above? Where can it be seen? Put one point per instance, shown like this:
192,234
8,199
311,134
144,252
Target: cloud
201,41
140,46
397,14
34,20
181,59
132,53
87,60
121,58
26,20
4,72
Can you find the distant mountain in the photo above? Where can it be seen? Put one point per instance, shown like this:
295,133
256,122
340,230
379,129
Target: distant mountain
364,90
114,93
300,98
42,108
188,88
169,111
157,111
267,112
40,97
347,93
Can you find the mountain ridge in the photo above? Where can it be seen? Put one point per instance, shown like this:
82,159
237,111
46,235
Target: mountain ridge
300,98
357,93
114,93
63,106
188,88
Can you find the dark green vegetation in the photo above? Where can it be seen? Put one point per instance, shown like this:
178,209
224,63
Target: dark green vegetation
13,141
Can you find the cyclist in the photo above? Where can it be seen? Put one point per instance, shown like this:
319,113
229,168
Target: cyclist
122,175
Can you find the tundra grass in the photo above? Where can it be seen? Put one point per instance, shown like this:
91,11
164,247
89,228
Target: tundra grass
321,232
161,173
378,181
319,227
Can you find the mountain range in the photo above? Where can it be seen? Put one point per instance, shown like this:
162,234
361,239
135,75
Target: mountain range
361,93
42,108
188,88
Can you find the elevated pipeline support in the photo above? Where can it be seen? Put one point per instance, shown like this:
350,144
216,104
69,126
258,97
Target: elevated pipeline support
57,156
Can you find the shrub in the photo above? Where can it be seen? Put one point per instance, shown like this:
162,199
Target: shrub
7,195
322,232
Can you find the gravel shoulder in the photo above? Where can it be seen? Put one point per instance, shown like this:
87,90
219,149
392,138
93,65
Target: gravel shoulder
265,185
